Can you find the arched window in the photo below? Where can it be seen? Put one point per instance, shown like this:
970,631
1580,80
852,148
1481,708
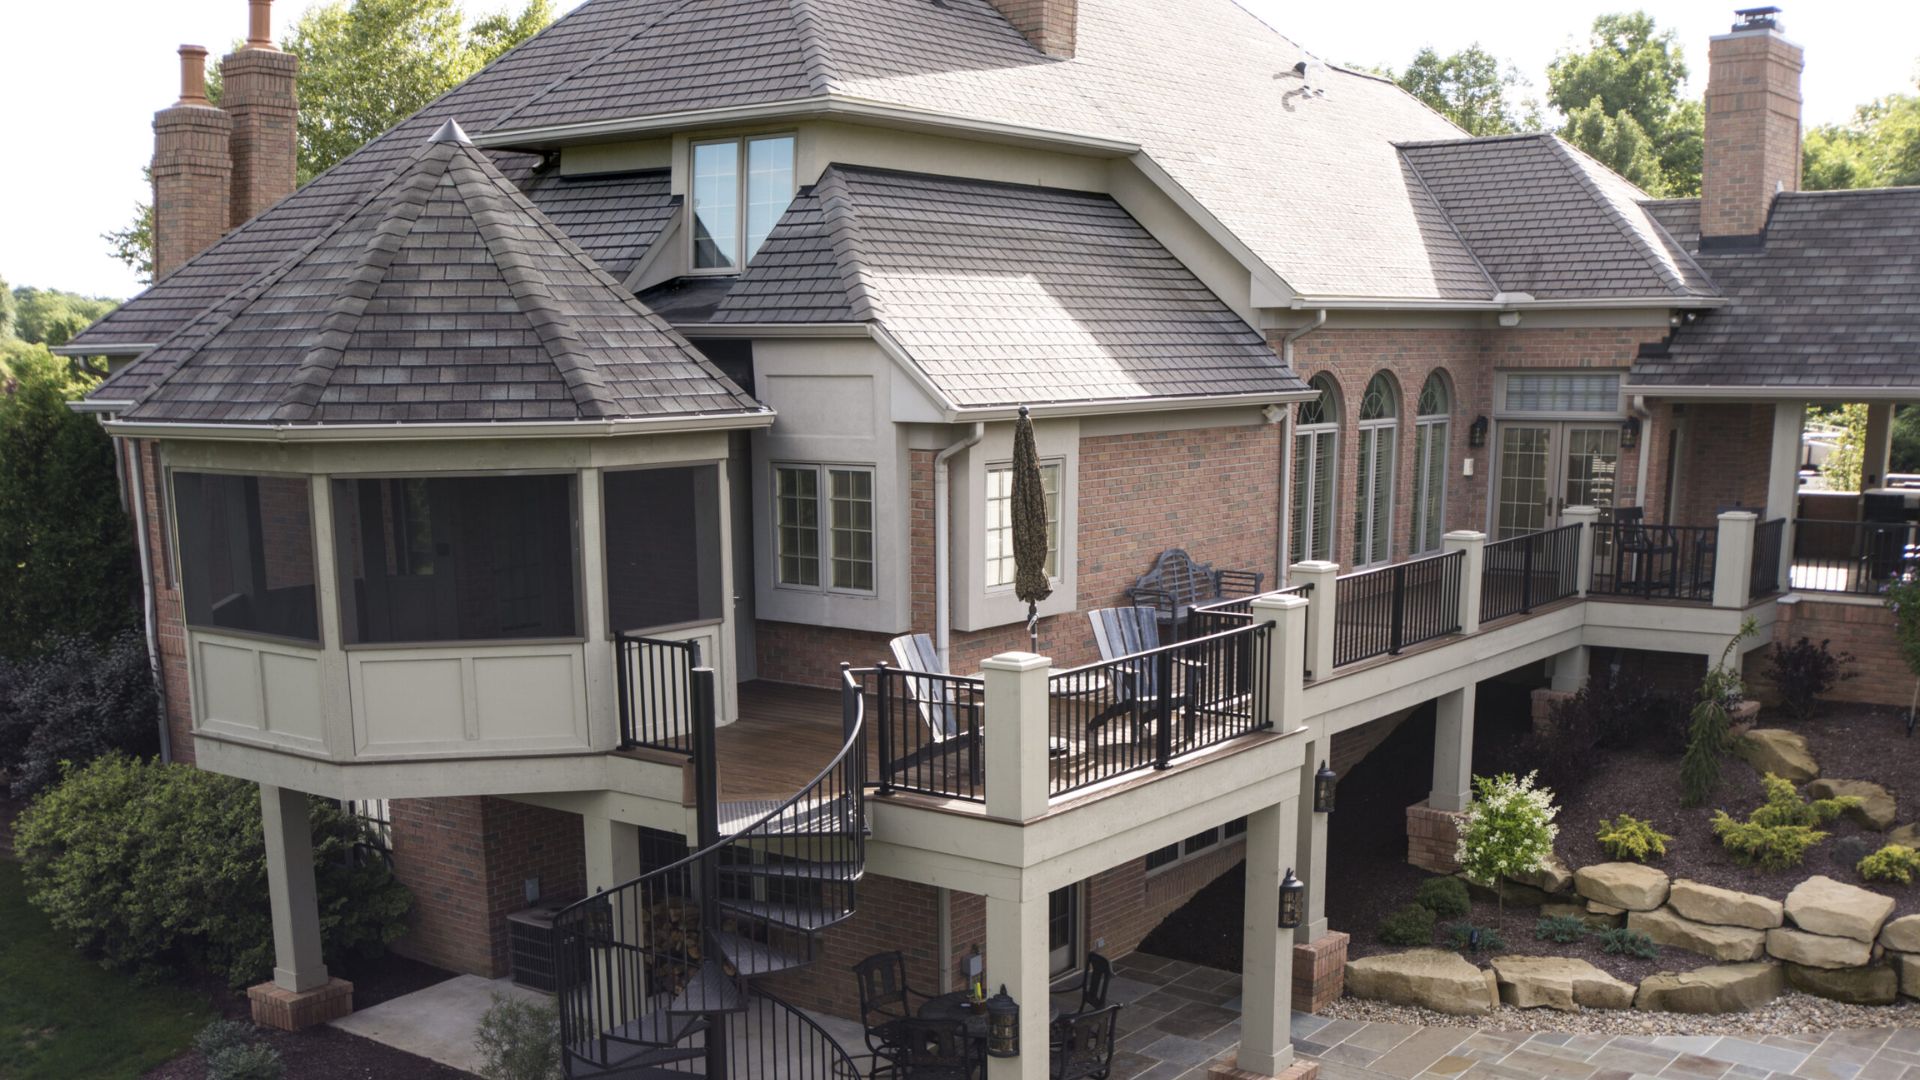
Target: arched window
1316,431
1373,506
1430,428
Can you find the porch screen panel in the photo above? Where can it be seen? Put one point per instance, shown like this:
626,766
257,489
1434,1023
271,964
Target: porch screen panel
246,553
456,558
663,547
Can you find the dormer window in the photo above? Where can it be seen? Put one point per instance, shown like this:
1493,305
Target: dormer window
740,189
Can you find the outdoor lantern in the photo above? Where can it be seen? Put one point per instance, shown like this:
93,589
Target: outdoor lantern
1630,433
1293,897
1003,1025
1323,784
1477,432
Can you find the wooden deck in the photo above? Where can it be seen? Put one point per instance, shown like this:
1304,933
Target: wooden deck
784,737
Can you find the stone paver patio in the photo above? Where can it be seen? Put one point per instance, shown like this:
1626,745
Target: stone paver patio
1181,1018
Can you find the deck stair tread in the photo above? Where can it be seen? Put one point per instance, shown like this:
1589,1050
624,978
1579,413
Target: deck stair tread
805,918
751,958
657,1028
800,869
710,990
834,817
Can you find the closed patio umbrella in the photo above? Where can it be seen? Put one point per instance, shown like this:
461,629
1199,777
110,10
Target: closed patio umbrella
1029,498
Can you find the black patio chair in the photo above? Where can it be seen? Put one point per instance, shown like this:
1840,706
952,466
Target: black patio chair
1094,981
1652,552
886,1003
933,1050
1084,1049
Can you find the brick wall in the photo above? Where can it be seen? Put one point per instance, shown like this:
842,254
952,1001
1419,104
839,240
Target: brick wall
170,622
1725,451
1752,136
890,914
257,92
1125,903
1049,24
192,180
1880,676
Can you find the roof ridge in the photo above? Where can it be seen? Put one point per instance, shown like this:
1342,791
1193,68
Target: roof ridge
317,367
821,77
1453,227
1660,266
843,232
568,74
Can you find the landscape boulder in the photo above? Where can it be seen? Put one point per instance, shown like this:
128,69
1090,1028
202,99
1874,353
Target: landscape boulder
1908,966
1905,836
1624,885
1902,934
1817,950
1874,984
1433,978
1552,878
1876,809
1594,920
1782,753
1558,982
1734,943
1511,892
1721,988
1821,905
1724,907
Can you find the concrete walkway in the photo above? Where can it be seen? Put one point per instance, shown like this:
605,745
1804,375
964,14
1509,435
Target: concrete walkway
437,1022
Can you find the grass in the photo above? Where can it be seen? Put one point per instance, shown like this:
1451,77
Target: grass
62,1015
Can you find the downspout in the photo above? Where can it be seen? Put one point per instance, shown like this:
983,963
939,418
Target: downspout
943,542
1285,514
1638,408
137,477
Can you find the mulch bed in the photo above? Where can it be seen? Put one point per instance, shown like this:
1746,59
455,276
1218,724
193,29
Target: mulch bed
1368,876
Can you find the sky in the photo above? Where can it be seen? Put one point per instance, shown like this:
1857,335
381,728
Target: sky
83,79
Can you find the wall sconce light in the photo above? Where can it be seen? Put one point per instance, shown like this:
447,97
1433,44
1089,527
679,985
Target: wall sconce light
1293,899
1630,433
1477,432
1323,784
1003,1025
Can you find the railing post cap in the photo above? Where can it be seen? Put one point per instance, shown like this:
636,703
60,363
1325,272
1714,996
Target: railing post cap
1278,602
1581,511
1463,538
1739,515
1315,566
1016,661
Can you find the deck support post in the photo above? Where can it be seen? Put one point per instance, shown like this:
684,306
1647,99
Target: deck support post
1453,750
1016,755
1292,620
1783,478
1472,571
1733,560
1588,518
1017,958
1570,669
1266,987
301,994
1321,600
613,851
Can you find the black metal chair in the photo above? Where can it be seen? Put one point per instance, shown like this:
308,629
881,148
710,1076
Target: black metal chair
1083,1047
933,1050
886,1003
1094,981
1649,550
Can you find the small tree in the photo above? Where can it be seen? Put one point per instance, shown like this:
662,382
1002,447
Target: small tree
1903,598
1507,830
1710,735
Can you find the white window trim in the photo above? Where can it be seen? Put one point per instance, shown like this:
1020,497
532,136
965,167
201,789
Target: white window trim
1220,842
976,606
1059,553
1439,440
824,528
1501,412
1333,491
740,198
1370,429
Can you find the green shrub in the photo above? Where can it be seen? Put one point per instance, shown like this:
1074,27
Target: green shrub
1895,862
73,703
1507,830
1710,733
519,1040
1778,833
224,1034
154,867
1411,925
1564,929
249,1061
1803,671
1630,838
1466,937
1446,897
1628,942
1785,806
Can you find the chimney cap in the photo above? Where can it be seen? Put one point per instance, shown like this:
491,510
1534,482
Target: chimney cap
260,25
193,75
1757,18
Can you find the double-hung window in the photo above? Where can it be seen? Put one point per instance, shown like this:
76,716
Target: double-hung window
1373,507
1000,522
1430,464
823,527
740,189
1316,428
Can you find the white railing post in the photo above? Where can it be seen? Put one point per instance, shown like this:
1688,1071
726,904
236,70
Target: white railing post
1783,478
1016,755
1472,570
1733,559
1320,607
1286,656
1588,517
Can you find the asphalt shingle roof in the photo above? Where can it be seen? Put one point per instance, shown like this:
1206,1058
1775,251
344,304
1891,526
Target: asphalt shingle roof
1832,298
1004,294
614,218
445,297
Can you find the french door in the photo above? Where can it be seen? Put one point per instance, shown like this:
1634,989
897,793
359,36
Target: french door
1546,467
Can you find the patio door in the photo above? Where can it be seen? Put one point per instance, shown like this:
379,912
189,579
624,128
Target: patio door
1546,467
1063,930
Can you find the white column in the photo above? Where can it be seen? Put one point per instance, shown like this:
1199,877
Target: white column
1453,750
1588,517
1322,601
296,908
1783,477
1733,559
1266,982
1877,455
1285,657
613,851
1471,572
598,663
1570,669
1016,746
1310,847
1017,959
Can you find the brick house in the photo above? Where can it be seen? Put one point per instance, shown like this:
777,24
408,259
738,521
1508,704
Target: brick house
691,335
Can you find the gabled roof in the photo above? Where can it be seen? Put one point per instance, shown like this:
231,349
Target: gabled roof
1004,294
1545,219
444,297
613,217
1830,300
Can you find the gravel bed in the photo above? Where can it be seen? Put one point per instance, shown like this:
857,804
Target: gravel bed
1785,1015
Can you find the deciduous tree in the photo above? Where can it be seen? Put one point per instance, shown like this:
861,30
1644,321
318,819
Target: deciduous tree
1621,98
1472,89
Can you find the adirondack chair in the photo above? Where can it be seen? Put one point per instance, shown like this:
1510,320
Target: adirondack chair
952,724
1176,584
1124,631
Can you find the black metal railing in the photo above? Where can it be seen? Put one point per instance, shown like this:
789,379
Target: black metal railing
1379,612
1236,611
928,728
1858,557
1525,571
1769,538
1655,562
654,680
1141,711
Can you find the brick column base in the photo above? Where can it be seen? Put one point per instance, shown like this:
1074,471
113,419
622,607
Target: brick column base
1320,972
1299,1070
1543,702
1433,836
290,1010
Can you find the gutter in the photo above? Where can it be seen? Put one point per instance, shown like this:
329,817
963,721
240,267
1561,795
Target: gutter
1372,303
397,432
943,543
148,608
1781,393
1638,407
1284,514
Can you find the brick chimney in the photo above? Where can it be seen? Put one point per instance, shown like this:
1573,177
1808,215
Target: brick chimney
1752,125
1049,24
192,169
257,93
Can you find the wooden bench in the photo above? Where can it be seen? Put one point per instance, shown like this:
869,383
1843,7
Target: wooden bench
1177,584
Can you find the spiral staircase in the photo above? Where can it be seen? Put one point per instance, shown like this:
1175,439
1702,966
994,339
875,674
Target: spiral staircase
660,978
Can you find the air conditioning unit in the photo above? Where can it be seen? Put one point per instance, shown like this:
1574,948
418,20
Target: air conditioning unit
530,945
